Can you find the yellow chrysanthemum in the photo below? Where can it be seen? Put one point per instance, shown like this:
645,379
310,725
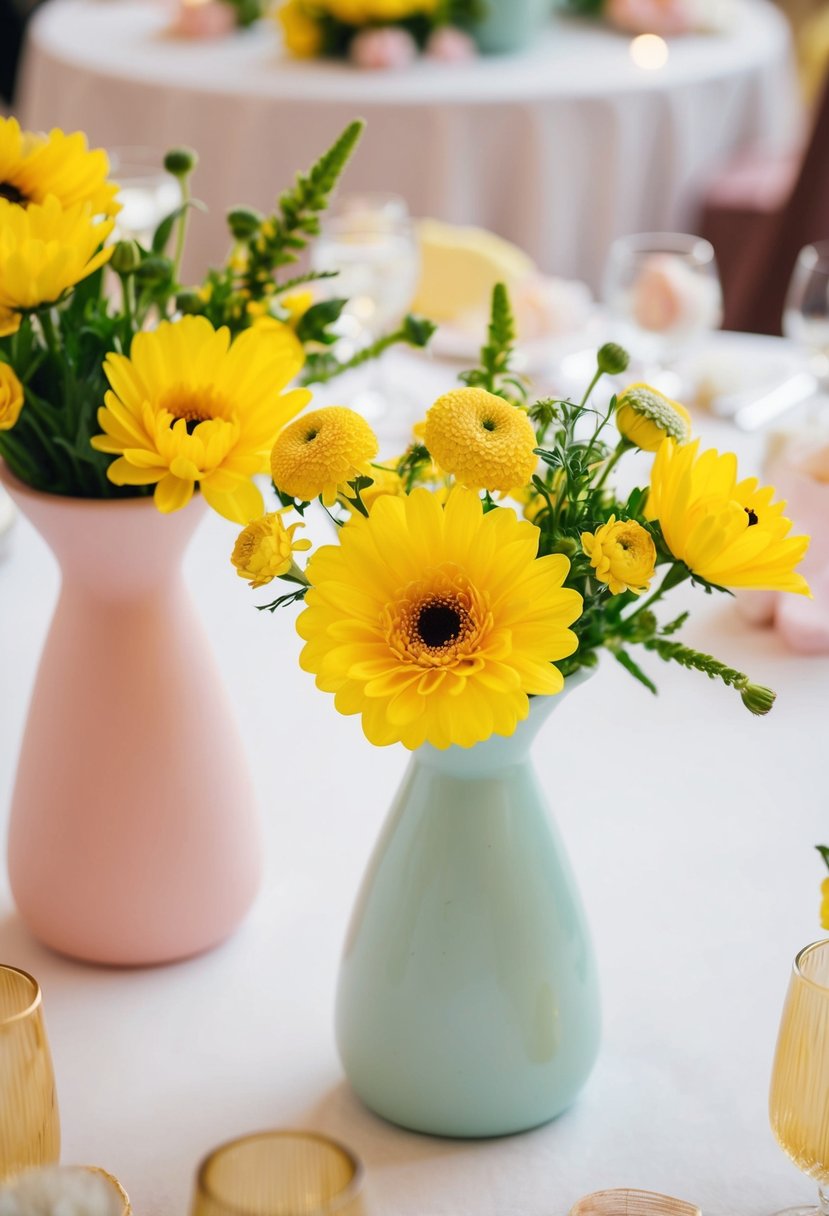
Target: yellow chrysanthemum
189,408
730,533
645,417
45,250
436,623
11,397
265,549
321,452
481,439
623,555
35,166
301,34
824,904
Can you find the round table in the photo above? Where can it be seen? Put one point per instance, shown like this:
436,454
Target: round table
560,149
690,825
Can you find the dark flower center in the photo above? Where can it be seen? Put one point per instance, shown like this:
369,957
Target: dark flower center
438,624
10,192
488,424
752,516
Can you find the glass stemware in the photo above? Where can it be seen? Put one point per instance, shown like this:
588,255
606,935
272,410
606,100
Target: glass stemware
147,192
806,311
663,289
279,1173
29,1124
799,1098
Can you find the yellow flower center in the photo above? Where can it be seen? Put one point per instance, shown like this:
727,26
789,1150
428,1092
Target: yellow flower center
194,405
437,622
9,191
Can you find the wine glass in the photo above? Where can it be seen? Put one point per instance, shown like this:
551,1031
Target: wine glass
806,311
279,1173
147,192
29,1124
799,1098
370,241
664,290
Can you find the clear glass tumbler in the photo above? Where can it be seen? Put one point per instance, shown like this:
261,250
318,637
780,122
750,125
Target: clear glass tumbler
29,1123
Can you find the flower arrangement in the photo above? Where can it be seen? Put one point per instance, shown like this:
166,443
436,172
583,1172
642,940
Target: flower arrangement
172,388
493,559
665,17
377,33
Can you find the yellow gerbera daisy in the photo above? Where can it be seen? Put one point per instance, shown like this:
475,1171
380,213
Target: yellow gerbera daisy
321,452
623,555
187,408
481,439
11,397
265,549
436,623
45,250
35,166
645,417
730,533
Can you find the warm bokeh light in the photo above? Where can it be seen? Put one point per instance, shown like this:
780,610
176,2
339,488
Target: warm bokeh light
649,51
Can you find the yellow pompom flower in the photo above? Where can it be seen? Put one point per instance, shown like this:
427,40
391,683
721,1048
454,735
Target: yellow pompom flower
45,250
436,623
645,417
729,532
301,34
265,549
187,408
35,166
481,439
11,397
623,555
321,452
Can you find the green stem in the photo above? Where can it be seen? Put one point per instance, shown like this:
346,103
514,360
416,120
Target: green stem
623,446
596,378
676,574
181,232
50,334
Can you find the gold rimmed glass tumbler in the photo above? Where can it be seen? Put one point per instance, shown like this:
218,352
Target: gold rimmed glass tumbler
799,1099
29,1125
279,1173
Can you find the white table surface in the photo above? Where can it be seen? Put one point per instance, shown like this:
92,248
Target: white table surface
560,149
691,834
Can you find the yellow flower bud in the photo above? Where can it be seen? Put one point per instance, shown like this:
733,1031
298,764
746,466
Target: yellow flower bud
645,417
11,397
264,549
623,555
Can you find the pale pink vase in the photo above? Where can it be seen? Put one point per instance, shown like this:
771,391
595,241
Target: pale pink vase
133,836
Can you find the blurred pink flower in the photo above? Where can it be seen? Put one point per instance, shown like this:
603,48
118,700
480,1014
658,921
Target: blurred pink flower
651,16
451,45
387,47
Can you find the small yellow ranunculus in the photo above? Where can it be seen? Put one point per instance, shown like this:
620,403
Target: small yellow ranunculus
11,397
645,417
301,34
824,905
264,549
623,555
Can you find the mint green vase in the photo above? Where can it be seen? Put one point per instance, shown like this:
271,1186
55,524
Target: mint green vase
510,25
468,1000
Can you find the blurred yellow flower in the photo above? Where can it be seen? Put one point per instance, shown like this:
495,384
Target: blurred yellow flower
731,533
264,549
45,250
35,166
301,34
481,439
435,623
11,397
321,452
824,904
623,555
297,304
188,408
645,417
360,12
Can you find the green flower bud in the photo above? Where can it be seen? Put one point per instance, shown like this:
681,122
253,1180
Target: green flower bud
181,161
567,546
244,222
189,302
757,699
612,359
154,270
126,258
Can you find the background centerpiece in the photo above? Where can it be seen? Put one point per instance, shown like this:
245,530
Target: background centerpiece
133,835
475,579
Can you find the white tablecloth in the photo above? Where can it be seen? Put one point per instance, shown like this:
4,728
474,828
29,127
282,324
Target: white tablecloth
690,825
560,149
